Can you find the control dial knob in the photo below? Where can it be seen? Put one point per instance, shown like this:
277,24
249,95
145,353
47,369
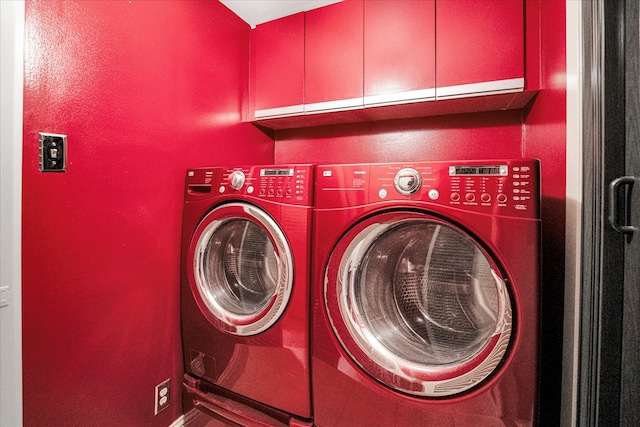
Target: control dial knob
407,181
236,179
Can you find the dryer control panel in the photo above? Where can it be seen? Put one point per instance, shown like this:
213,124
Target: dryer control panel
290,184
500,187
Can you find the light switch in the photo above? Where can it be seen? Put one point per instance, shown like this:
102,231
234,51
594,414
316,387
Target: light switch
52,152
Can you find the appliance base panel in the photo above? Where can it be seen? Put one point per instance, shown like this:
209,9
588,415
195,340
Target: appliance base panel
223,404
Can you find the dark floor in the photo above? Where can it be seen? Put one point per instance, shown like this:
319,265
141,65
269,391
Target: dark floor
197,418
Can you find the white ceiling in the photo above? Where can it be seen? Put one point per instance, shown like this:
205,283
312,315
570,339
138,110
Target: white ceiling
255,12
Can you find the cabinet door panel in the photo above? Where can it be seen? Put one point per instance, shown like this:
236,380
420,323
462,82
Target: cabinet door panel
334,56
399,50
278,59
479,43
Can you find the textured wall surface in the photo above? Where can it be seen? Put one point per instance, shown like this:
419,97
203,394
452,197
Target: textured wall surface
143,90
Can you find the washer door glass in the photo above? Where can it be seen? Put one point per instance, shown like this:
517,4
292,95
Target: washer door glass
242,269
419,305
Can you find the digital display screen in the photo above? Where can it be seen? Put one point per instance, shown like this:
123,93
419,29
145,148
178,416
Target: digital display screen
277,172
497,170
465,170
489,170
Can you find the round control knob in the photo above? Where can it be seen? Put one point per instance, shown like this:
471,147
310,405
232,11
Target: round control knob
470,197
455,197
407,181
236,179
485,197
501,198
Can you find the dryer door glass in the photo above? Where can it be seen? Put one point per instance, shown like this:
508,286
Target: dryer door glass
422,306
242,269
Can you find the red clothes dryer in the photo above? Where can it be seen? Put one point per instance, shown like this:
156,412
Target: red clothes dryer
426,285
245,294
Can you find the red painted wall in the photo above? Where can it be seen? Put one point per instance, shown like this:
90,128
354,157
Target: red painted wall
545,138
143,90
467,136
539,131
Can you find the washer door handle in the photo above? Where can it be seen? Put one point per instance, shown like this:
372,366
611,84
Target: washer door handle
614,188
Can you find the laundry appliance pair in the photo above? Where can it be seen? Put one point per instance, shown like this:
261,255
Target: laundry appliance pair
412,302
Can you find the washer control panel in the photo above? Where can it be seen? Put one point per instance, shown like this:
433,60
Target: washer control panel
282,183
502,187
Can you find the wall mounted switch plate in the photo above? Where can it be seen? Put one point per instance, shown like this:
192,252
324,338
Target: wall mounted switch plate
52,152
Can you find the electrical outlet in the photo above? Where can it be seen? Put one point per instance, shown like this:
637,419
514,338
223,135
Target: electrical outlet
162,395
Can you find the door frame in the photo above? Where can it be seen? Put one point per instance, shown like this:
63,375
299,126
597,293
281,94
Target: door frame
573,207
601,293
12,14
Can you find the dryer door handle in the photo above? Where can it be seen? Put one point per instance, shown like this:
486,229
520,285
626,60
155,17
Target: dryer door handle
626,183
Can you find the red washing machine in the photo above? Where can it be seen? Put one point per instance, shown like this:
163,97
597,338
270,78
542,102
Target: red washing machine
426,285
245,294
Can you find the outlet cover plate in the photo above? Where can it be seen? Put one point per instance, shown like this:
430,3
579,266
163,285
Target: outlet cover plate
162,396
